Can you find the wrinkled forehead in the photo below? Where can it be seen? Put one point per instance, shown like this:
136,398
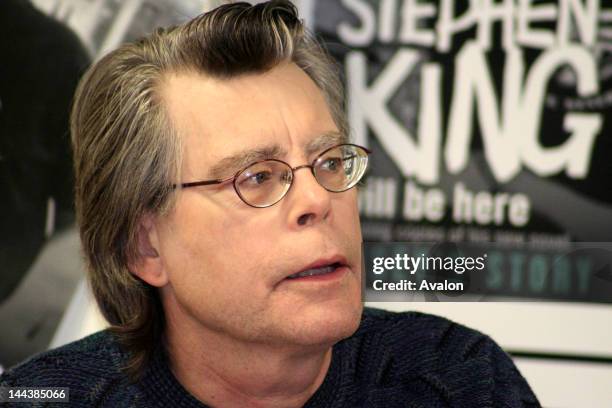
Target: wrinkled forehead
277,114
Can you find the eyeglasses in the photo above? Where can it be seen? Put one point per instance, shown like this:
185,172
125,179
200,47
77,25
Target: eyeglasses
264,183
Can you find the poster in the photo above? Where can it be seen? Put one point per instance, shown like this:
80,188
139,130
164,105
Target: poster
489,123
46,46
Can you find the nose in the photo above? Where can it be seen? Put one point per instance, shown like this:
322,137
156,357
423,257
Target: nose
310,203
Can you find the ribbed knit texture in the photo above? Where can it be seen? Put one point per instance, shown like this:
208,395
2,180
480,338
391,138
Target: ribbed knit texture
408,360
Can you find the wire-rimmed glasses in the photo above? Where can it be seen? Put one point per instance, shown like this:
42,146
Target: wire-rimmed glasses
264,183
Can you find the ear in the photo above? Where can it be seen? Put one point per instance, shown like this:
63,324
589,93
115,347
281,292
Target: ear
148,264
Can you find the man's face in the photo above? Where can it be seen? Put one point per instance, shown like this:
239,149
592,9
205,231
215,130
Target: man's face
228,263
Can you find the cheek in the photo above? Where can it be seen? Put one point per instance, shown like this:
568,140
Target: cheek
348,226
203,226
210,264
348,214
205,243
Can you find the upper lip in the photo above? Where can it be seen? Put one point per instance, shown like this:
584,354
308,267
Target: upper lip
321,262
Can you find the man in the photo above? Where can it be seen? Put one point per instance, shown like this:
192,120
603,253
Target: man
215,203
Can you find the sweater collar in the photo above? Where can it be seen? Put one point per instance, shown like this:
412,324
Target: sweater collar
162,388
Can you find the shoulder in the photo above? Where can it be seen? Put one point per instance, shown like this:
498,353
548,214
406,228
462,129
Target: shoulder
433,334
423,340
438,356
95,355
90,368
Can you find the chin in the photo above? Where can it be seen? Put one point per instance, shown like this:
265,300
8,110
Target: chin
328,325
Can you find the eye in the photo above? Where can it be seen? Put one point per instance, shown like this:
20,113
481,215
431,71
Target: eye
256,179
331,164
261,177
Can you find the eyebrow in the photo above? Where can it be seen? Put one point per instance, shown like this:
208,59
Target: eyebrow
230,165
324,141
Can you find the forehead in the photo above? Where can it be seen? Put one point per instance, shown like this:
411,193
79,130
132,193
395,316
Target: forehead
219,118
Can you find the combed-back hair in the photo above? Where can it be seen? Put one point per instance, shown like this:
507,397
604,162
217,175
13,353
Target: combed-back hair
128,155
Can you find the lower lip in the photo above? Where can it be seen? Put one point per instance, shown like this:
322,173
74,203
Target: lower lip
336,274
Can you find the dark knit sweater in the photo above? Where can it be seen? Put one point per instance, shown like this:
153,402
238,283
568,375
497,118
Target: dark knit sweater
393,360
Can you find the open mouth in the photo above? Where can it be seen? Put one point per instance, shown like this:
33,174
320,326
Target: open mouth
321,270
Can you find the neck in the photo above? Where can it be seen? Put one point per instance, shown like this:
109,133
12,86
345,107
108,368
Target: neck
226,372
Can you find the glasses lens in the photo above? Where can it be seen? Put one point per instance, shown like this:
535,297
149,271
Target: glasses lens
264,184
341,167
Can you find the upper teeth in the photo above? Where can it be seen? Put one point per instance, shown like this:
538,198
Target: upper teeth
314,271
